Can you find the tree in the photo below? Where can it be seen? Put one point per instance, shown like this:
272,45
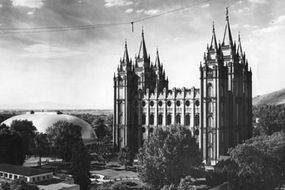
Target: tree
126,156
104,149
80,165
63,137
22,185
42,146
5,186
271,118
27,131
168,156
129,185
100,128
258,163
11,147
187,183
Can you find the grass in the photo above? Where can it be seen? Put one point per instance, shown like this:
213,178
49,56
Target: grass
113,174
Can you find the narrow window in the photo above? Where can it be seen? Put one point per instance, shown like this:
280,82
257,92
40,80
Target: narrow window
151,119
187,120
160,117
168,119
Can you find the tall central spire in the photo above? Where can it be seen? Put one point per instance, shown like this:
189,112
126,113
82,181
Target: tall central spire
126,54
227,40
142,50
213,40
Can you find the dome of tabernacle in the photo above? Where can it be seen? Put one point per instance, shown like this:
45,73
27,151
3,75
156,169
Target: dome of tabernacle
43,120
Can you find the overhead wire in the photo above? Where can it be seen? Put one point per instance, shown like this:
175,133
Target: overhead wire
92,26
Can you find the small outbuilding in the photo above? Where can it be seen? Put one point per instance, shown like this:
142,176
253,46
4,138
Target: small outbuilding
32,175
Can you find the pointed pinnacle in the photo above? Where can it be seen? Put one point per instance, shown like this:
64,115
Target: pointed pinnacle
227,13
126,43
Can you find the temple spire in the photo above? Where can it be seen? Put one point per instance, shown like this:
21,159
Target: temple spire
214,40
227,40
142,50
126,54
157,60
239,50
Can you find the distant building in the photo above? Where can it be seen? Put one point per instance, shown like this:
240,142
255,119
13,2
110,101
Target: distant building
218,114
12,172
43,120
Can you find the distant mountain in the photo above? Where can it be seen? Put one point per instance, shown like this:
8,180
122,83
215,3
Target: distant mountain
42,106
273,98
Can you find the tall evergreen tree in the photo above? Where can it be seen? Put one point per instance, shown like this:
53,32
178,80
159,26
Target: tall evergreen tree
80,165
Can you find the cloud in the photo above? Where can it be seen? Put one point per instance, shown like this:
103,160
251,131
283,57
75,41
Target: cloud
276,25
140,11
128,11
279,20
119,3
241,10
205,5
31,12
48,51
28,3
148,12
258,1
151,12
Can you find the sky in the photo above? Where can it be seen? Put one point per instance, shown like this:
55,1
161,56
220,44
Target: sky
76,68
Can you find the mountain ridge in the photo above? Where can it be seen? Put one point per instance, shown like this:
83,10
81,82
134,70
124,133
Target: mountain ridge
272,98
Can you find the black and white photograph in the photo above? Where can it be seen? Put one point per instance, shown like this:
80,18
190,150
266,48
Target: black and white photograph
142,95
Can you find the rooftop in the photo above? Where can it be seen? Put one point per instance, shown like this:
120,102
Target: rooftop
20,170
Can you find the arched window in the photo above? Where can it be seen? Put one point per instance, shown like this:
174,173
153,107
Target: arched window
210,122
169,103
143,119
210,110
178,103
187,103
178,118
168,119
187,120
160,118
210,138
151,119
210,90
196,120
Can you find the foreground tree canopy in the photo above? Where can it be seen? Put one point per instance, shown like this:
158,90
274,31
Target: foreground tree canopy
257,164
18,184
63,137
168,156
16,141
271,118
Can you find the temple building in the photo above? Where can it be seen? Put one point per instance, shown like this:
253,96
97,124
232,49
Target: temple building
218,113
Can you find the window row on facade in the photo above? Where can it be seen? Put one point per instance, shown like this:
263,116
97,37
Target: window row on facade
170,103
169,119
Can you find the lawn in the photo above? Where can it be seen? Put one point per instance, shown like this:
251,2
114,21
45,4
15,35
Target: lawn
113,174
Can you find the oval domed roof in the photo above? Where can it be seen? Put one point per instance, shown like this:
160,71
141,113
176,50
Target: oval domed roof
43,120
